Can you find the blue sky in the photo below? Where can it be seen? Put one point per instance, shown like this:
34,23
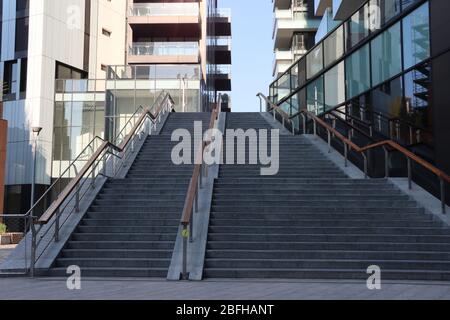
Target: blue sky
252,50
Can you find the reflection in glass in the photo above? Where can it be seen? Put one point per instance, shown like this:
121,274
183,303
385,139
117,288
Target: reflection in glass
382,11
314,62
358,72
315,96
386,55
335,86
334,46
357,28
416,36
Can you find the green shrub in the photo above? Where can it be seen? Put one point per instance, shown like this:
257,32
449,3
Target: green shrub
2,228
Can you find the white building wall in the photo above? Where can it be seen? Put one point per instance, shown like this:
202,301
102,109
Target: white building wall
56,33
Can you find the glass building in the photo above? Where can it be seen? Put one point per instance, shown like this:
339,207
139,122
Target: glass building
387,64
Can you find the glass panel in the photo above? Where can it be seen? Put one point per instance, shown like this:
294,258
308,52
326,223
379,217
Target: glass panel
416,36
418,108
314,62
294,77
387,98
357,28
335,86
382,11
284,86
301,72
315,96
334,46
386,55
358,72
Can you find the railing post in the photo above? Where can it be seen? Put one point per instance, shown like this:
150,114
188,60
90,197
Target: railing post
386,162
274,115
33,246
346,154
444,207
315,127
329,141
304,124
57,216
93,178
77,199
365,166
293,127
282,121
184,274
409,173
191,227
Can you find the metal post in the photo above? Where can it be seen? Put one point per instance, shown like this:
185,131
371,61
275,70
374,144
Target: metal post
329,141
57,225
386,162
77,199
191,228
346,154
33,245
315,127
93,178
293,127
282,121
409,174
365,166
274,116
304,124
444,207
185,275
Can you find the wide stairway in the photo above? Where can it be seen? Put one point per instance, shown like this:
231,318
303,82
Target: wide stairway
313,222
131,228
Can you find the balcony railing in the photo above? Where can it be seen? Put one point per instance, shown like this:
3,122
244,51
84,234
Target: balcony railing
164,9
164,49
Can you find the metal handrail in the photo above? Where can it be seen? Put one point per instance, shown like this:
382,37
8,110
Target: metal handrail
73,189
192,195
443,177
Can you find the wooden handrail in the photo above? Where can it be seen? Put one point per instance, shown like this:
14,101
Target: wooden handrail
439,173
194,183
53,209
389,143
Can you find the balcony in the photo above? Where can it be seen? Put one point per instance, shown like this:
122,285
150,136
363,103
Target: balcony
287,22
342,9
161,13
219,51
221,18
163,52
221,74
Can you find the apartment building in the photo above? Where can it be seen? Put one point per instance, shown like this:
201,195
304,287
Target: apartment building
294,30
3,139
43,40
80,68
385,67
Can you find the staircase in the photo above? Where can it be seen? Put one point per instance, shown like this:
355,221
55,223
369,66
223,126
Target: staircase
131,228
313,222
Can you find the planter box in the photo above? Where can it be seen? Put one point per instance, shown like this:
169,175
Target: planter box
5,239
11,238
16,237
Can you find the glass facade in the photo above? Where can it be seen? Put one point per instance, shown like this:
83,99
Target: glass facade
357,68
315,96
416,36
386,55
355,62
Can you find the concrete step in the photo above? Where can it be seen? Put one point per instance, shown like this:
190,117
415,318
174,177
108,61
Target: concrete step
116,253
121,244
114,272
130,222
116,262
325,274
127,229
273,231
327,254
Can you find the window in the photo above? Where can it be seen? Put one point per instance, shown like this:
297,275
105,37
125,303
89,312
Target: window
22,35
388,9
386,55
314,62
67,72
106,32
315,96
357,68
387,99
334,46
10,77
335,86
357,28
416,36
